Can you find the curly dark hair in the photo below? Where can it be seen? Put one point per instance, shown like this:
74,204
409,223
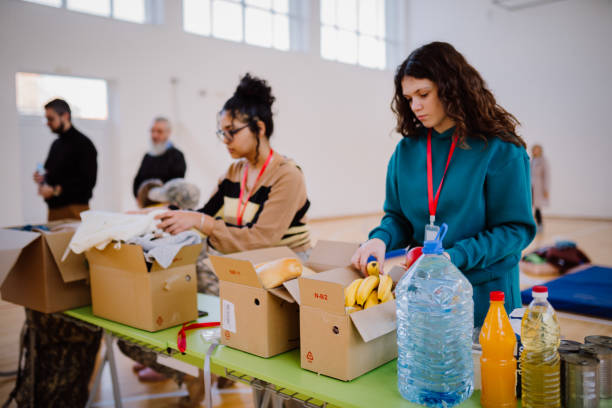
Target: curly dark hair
462,92
252,101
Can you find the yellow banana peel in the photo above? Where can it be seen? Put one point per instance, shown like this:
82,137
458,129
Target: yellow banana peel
372,300
367,286
389,296
384,287
350,292
373,268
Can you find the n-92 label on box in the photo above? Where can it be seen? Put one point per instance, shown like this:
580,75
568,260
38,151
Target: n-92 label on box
229,316
320,296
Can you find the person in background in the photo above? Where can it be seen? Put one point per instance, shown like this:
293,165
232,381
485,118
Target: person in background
539,182
59,354
70,171
142,195
462,163
163,161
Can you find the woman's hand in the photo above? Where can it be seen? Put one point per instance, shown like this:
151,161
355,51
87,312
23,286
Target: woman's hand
178,221
374,247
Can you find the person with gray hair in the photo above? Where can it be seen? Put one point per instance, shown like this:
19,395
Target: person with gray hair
163,161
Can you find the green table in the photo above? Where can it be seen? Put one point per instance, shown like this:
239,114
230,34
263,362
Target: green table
376,388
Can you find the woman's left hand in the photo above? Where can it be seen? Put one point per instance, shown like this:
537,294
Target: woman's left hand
178,221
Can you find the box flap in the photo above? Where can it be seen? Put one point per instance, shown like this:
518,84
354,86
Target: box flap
293,286
187,255
375,321
325,290
73,267
282,293
331,254
263,255
396,273
239,267
235,270
11,244
128,258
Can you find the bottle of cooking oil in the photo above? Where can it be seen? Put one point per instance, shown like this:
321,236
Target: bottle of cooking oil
540,363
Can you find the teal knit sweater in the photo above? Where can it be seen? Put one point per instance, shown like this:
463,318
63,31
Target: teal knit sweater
485,200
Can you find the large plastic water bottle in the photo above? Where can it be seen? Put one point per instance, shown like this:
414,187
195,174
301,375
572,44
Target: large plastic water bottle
540,362
435,318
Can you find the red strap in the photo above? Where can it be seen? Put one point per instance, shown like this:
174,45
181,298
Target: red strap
433,203
181,338
239,213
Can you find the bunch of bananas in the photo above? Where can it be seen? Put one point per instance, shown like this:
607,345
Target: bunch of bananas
367,292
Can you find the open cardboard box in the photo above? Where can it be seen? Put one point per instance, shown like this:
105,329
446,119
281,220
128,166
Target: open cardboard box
124,290
337,344
265,322
32,274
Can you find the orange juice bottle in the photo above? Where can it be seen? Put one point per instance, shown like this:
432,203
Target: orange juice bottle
497,363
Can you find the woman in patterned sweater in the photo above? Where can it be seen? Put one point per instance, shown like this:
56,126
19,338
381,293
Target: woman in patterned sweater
261,200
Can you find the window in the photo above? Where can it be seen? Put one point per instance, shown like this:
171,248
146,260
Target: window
354,32
87,97
134,11
265,23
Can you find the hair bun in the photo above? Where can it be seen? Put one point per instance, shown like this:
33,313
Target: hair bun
254,89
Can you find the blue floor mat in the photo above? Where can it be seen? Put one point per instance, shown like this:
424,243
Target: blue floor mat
586,292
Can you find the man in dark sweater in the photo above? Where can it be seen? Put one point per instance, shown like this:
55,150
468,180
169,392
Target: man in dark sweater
60,355
163,161
71,166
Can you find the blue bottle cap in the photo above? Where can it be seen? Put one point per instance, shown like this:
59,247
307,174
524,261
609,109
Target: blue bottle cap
434,246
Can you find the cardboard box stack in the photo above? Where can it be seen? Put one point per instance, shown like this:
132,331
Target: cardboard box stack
32,274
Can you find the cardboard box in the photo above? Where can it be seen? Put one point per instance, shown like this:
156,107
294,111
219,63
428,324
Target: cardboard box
265,322
337,344
124,290
32,274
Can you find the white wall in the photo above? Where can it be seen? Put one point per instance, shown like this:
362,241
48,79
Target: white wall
333,119
551,67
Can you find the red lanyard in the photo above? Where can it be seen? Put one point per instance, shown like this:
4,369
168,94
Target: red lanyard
433,202
241,209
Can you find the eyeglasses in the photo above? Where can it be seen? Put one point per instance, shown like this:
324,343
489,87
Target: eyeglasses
228,135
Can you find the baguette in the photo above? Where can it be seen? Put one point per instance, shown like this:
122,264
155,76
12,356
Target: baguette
274,273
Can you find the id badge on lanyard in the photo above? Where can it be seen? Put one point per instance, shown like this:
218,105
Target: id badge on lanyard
431,229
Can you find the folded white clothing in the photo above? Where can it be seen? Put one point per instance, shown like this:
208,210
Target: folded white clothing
163,250
98,228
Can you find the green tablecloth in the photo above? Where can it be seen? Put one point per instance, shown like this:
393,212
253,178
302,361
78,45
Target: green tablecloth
376,388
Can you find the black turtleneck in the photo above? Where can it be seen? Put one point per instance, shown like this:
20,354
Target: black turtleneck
71,164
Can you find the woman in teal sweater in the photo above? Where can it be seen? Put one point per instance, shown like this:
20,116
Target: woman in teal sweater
483,184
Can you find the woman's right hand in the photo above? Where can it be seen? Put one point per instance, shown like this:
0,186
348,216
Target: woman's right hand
375,247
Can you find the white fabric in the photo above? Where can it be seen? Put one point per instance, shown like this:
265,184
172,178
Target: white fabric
164,249
98,228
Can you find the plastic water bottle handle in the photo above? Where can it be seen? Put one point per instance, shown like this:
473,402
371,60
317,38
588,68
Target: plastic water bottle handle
390,254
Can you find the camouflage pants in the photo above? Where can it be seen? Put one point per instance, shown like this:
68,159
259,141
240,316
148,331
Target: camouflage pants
149,359
59,359
208,282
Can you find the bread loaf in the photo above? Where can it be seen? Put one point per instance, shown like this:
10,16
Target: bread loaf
274,273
